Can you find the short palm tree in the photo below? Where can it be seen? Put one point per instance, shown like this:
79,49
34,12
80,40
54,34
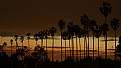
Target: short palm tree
36,38
16,38
61,25
115,25
41,35
52,33
11,45
22,40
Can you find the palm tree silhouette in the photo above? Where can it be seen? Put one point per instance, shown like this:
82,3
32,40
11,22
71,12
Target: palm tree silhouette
61,25
93,25
52,33
46,37
115,25
98,32
105,9
65,37
71,32
85,21
16,38
76,31
105,29
11,45
22,39
41,35
36,38
28,37
79,36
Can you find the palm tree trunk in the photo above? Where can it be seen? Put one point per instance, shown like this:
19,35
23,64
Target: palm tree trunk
61,45
52,49
88,45
84,46
93,45
106,41
46,47
76,49
36,43
65,49
115,45
28,42
11,49
98,47
80,48
72,48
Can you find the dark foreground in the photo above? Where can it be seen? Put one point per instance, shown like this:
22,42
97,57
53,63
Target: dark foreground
14,62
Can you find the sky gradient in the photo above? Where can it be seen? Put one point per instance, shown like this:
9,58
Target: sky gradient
22,16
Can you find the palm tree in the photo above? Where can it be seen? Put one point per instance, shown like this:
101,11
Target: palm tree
41,35
61,25
76,31
105,29
115,25
46,37
22,39
79,36
65,37
36,38
52,33
98,32
93,25
71,32
11,45
85,21
28,37
16,38
105,9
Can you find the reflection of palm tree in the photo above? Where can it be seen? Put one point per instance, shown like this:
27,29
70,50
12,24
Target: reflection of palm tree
98,32
114,24
28,37
105,9
36,38
61,25
52,32
92,27
105,29
11,45
16,38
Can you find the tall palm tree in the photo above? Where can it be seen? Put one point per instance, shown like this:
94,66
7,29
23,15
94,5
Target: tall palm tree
71,32
115,25
28,37
93,25
61,25
16,38
105,29
22,39
65,37
98,32
36,38
11,45
76,31
52,33
79,36
85,22
46,37
105,9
